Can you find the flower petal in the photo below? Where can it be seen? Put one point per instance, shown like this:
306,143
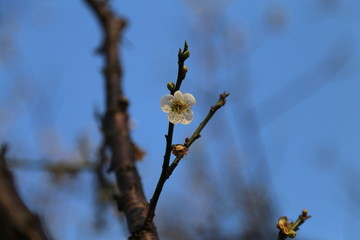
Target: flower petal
189,99
165,103
175,117
178,96
187,116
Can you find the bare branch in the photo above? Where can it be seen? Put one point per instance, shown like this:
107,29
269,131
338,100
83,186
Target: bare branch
182,70
16,220
168,170
189,141
116,128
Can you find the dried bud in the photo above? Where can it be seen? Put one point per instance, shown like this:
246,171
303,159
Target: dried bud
138,153
179,150
286,227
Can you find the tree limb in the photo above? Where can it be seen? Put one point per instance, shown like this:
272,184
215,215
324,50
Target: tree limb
116,127
168,169
16,220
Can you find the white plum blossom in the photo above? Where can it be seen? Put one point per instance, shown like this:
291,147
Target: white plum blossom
178,107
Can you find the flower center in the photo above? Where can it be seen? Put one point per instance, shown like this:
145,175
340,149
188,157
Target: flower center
179,106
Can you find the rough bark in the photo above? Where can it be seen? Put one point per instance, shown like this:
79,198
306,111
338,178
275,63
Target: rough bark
116,132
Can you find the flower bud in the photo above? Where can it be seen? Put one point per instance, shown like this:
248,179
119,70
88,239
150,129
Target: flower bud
186,54
291,234
171,86
179,150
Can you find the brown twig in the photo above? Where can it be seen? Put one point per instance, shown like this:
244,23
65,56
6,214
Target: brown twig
17,222
168,170
182,70
116,126
189,141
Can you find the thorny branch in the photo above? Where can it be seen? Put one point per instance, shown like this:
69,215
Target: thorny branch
116,128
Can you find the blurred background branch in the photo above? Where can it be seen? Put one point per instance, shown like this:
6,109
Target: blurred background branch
16,220
116,131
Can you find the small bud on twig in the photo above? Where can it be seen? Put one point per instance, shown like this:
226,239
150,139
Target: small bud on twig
171,86
179,150
186,55
288,229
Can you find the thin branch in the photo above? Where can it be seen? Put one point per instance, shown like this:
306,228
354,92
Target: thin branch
182,70
16,220
116,126
169,169
189,141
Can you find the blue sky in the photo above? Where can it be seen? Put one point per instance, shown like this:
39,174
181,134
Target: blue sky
306,106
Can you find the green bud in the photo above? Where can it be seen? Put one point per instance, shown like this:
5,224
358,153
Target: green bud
185,68
292,234
186,54
171,86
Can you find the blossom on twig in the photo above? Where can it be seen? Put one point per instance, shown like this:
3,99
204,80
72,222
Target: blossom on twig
178,107
286,227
